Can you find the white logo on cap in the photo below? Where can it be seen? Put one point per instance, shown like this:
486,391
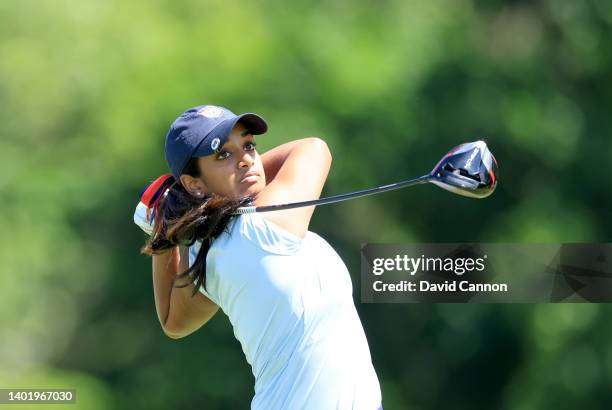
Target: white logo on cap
210,111
214,144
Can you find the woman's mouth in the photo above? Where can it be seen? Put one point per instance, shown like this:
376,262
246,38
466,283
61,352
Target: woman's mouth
250,177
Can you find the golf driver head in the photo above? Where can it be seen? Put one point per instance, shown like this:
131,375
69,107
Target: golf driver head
468,169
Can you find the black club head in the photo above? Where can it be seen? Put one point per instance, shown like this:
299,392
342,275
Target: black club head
468,169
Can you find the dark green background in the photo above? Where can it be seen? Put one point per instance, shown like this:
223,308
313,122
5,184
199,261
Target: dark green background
88,89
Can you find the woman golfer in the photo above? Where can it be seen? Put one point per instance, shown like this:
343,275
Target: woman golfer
285,290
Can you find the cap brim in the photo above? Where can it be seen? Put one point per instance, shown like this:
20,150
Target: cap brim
254,123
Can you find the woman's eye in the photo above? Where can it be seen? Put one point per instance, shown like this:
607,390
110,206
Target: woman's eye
249,146
223,155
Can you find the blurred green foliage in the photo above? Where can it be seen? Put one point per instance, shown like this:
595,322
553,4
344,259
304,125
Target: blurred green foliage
88,89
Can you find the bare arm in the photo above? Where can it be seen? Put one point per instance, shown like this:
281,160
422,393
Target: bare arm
179,313
273,159
301,170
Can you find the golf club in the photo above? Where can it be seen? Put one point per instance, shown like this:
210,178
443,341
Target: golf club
468,170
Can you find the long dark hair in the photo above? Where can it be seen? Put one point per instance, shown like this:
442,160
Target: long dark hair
183,219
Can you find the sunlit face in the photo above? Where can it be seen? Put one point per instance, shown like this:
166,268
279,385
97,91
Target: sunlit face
236,170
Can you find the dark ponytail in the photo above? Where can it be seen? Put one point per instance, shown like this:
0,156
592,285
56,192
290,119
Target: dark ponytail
183,219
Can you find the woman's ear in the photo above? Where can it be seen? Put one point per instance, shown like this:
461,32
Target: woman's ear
195,186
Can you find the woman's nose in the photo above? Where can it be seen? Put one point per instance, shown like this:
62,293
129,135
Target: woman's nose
246,161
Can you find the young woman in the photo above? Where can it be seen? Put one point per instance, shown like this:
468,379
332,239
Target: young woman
285,290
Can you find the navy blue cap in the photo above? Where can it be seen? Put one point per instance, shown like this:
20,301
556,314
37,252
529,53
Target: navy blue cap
201,131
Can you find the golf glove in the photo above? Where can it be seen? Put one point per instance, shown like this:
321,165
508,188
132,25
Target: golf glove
144,215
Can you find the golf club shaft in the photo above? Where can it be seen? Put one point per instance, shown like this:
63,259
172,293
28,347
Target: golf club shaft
335,198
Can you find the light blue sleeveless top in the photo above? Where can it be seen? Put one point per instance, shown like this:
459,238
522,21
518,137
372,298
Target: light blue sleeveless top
290,304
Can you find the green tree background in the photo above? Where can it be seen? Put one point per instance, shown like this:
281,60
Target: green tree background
88,89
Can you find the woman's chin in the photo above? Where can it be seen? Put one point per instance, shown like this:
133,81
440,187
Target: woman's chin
253,190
